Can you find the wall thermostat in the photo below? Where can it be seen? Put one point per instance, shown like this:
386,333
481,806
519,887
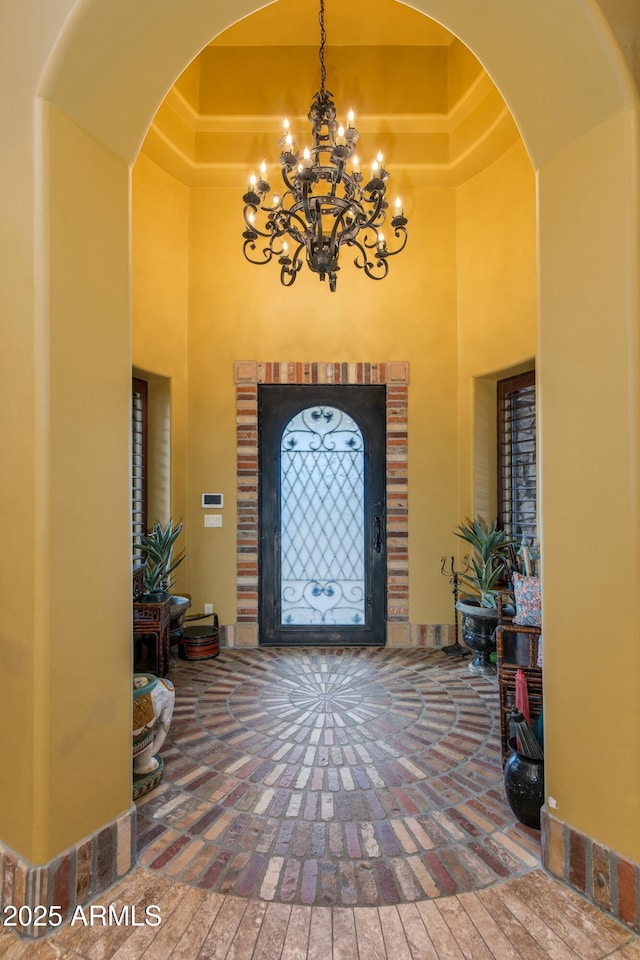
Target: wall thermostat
212,499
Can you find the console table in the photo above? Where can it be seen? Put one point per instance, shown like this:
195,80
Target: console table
152,619
517,648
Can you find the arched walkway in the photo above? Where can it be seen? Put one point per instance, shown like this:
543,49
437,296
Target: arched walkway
565,82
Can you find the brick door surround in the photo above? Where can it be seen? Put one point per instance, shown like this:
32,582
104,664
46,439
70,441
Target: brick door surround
394,375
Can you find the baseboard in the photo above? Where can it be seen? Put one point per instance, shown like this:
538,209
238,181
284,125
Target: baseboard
54,890
399,634
606,878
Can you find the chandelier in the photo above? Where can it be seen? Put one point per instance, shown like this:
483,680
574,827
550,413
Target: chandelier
324,205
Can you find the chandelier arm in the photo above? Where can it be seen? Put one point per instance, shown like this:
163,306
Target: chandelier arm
370,242
362,253
311,217
399,231
337,178
290,267
340,218
290,186
290,229
374,244
250,245
279,222
372,220
287,276
256,232
380,264
319,232
297,262
368,265
289,194
250,210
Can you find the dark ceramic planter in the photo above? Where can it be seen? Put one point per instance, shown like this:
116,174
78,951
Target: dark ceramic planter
154,596
178,607
479,634
524,786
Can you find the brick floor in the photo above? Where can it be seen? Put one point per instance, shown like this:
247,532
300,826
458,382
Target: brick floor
334,805
342,777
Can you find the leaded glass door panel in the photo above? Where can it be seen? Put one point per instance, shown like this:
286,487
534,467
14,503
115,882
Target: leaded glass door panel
322,530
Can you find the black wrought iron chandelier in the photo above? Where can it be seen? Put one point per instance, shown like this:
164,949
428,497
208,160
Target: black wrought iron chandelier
325,206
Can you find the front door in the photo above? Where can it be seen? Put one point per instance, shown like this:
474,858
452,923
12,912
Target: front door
322,514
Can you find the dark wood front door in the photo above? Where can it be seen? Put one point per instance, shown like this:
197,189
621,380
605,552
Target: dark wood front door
322,515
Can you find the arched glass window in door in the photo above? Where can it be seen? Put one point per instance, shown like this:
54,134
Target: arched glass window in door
322,519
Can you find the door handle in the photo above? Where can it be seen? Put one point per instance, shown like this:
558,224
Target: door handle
377,537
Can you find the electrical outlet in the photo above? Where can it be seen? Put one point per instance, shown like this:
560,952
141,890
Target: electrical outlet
208,608
212,520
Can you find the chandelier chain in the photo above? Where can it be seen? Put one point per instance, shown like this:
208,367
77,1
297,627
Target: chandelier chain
323,40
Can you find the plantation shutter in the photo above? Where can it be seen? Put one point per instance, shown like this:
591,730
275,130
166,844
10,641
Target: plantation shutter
517,493
138,465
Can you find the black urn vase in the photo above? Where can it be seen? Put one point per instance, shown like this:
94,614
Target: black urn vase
479,634
524,786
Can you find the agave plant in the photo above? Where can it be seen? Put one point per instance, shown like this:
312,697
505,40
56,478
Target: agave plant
158,546
489,561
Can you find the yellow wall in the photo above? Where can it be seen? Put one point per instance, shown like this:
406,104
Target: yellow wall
83,647
24,494
240,311
67,278
497,300
160,265
419,72
589,368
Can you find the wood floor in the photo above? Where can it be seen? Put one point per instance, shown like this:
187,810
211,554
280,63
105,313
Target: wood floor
529,918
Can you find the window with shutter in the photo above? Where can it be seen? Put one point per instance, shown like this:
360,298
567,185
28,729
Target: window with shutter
517,489
138,465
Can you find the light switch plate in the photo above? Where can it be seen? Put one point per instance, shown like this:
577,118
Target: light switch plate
212,520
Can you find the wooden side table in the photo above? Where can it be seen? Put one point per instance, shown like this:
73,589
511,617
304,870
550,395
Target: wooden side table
152,619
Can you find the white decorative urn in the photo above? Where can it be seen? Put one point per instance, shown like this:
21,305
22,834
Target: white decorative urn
153,701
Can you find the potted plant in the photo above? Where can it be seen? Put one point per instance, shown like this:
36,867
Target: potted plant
159,567
484,571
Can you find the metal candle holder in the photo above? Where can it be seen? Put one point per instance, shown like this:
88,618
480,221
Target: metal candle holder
456,649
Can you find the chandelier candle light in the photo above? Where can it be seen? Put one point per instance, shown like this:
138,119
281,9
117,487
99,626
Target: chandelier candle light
324,205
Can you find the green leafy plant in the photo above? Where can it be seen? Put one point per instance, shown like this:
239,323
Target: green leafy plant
159,564
489,560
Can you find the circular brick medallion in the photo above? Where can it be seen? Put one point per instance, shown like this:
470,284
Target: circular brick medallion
344,777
